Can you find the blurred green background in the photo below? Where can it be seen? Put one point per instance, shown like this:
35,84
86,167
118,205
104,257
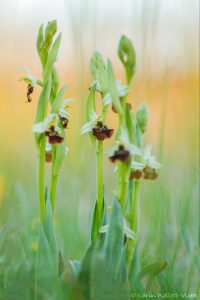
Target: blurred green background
165,34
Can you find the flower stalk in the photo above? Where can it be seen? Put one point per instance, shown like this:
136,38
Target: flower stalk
48,128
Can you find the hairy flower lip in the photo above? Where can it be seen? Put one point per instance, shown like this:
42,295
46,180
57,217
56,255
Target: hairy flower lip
120,154
101,131
53,136
135,174
30,90
150,173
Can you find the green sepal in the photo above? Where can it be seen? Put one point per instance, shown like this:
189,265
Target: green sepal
42,105
91,110
112,88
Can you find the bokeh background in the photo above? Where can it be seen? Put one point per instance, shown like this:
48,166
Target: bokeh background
165,34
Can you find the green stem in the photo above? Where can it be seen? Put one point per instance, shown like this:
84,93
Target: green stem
134,207
54,179
123,179
133,219
100,180
42,177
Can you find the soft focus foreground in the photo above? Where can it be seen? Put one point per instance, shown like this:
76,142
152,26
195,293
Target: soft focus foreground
167,80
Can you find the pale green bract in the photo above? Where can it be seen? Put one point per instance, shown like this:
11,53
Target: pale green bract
122,92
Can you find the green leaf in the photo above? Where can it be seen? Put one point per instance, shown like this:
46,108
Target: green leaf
122,273
95,221
42,105
40,44
90,105
59,158
52,56
113,88
126,54
91,111
58,100
55,84
98,70
150,272
46,274
134,269
114,237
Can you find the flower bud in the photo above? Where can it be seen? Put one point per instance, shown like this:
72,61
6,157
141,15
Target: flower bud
142,117
126,54
49,33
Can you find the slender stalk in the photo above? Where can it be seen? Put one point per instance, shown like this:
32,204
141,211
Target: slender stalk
42,177
100,180
133,218
134,207
123,173
54,180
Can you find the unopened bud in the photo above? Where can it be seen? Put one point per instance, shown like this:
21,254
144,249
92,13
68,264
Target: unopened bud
126,54
142,117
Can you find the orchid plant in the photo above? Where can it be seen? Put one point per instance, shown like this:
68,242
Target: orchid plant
52,112
133,159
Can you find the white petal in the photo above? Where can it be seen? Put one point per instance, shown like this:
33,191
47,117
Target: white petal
88,127
153,163
39,127
107,99
112,150
135,165
123,90
63,113
147,151
134,150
